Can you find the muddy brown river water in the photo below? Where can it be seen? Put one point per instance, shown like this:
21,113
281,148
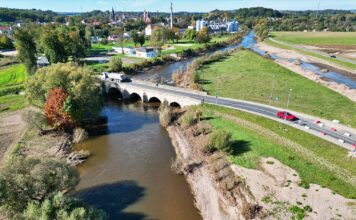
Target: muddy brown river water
128,174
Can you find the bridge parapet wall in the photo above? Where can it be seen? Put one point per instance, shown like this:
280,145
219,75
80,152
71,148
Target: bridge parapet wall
169,87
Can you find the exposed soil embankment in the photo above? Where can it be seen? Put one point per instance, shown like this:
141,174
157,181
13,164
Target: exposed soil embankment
219,193
291,54
223,190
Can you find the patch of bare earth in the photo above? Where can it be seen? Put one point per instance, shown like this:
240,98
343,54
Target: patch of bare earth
346,51
276,187
12,127
291,54
219,193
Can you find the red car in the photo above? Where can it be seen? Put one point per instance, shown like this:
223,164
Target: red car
287,116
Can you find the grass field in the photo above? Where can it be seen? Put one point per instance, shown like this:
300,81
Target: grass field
178,47
316,161
246,75
12,75
10,78
317,38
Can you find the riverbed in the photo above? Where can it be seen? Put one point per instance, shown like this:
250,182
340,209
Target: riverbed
128,174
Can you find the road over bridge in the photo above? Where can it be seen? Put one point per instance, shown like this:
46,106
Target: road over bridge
149,92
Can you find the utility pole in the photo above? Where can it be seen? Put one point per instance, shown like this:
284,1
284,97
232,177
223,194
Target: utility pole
217,88
271,97
171,15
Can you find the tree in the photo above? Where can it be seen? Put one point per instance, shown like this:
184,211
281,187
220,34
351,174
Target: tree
203,36
84,99
142,40
26,47
88,34
5,42
135,37
158,38
119,32
261,30
61,207
115,64
75,46
190,34
26,180
52,46
170,35
54,109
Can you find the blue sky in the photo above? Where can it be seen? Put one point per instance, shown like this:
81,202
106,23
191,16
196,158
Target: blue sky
180,5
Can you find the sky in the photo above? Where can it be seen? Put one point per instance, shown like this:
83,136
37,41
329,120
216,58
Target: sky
179,5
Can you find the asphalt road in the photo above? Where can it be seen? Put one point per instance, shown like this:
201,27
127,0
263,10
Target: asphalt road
304,123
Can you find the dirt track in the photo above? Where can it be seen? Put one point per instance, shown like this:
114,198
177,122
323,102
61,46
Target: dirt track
12,127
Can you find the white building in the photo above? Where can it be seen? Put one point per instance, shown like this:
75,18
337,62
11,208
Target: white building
42,61
127,50
232,26
5,30
200,24
95,39
146,52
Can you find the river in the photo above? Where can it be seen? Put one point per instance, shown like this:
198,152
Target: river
128,174
164,73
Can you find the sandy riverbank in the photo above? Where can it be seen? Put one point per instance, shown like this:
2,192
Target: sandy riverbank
291,54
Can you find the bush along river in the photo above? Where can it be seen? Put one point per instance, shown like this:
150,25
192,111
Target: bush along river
128,174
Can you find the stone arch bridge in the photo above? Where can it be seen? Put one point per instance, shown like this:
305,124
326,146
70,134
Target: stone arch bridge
151,92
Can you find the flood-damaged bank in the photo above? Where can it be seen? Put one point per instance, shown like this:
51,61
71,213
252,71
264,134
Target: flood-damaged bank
225,190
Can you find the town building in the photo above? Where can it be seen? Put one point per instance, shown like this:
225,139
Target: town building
127,50
146,52
151,28
5,30
95,39
200,24
42,61
232,27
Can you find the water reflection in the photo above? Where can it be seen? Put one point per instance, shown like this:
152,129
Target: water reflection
134,157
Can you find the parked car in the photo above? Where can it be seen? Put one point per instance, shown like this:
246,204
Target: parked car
332,56
286,115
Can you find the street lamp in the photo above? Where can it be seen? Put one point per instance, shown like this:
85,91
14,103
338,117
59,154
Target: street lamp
270,98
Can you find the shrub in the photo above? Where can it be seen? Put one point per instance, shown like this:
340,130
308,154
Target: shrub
220,140
115,64
27,180
54,109
188,119
84,100
165,115
61,207
36,119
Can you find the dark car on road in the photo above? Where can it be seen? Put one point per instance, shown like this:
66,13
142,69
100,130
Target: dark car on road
286,115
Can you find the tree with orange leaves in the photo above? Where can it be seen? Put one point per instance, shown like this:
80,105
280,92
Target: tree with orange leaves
54,109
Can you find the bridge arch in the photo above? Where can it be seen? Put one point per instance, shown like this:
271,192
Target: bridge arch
115,93
135,97
175,105
154,100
